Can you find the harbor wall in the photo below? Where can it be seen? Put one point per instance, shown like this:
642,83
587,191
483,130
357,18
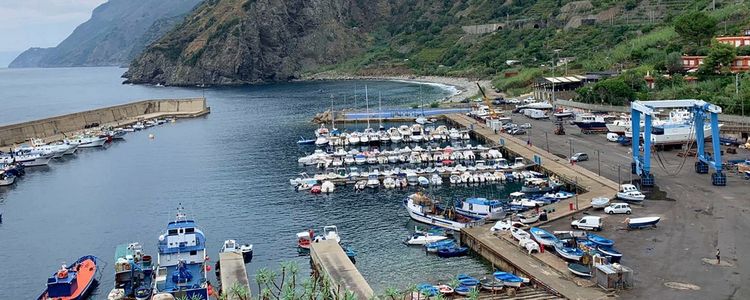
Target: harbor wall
113,115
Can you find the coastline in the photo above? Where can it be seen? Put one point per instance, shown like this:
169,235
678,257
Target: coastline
461,88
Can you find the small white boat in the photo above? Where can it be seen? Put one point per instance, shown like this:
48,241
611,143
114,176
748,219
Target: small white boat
528,219
519,234
27,158
423,181
599,202
330,232
87,141
455,179
436,179
412,178
321,141
372,180
529,244
636,223
360,185
231,246
629,192
6,179
389,182
327,187
422,238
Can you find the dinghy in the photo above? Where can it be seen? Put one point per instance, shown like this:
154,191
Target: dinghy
420,238
599,202
467,281
600,240
579,269
543,237
566,252
637,223
508,279
462,290
426,289
528,219
452,252
519,234
614,255
445,289
491,285
435,246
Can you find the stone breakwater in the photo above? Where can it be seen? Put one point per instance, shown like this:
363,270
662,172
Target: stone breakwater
54,128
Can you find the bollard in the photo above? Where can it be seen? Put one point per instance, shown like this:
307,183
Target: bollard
571,205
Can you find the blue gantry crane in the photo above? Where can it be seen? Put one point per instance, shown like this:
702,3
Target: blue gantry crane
700,110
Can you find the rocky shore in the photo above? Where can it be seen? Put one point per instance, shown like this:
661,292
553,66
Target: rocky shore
464,87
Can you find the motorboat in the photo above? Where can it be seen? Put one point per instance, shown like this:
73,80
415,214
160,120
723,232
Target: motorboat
389,182
72,282
436,180
539,185
480,208
422,209
543,237
637,223
563,113
27,158
181,259
360,159
561,195
231,246
327,187
304,178
319,141
304,240
455,179
423,238
433,247
417,133
330,232
412,178
6,179
423,181
591,123
506,225
599,240
629,192
87,140
354,138
395,136
134,273
37,145
372,180
599,202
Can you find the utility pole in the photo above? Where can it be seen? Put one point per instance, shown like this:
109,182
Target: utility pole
570,152
618,175
576,192
599,163
546,140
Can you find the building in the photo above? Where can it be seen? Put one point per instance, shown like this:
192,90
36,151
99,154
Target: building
691,63
562,87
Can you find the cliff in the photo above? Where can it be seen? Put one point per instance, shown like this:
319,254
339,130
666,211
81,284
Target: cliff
238,41
117,31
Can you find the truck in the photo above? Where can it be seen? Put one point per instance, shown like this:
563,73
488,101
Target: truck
588,223
535,114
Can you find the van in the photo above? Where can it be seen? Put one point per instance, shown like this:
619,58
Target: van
588,223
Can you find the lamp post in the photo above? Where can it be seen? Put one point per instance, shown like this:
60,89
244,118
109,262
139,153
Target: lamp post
599,163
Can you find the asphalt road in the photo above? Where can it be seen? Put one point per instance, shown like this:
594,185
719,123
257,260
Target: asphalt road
676,260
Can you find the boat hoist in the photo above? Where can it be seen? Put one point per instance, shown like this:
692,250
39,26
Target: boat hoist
701,111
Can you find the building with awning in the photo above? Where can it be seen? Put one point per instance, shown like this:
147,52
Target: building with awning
562,87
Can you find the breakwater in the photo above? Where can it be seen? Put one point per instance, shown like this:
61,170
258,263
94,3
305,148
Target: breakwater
57,127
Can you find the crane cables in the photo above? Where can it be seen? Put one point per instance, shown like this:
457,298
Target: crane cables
662,165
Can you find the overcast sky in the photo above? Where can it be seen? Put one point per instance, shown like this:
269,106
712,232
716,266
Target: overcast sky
40,23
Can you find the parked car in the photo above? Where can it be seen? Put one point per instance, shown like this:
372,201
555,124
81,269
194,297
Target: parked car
618,208
612,137
517,131
526,125
588,223
579,157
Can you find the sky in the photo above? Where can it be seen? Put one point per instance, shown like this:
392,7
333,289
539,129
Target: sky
40,23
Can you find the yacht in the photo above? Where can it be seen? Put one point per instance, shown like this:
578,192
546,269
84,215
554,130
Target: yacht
181,259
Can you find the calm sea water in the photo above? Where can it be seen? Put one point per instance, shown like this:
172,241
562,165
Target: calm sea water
229,169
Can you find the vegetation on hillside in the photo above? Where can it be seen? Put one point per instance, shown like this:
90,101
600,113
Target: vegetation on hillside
429,40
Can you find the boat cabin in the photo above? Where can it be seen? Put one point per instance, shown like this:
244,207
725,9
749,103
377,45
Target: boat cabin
628,188
62,283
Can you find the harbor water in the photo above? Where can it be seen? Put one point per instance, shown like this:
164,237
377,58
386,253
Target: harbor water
230,170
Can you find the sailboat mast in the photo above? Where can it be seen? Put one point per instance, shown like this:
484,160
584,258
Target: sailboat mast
421,104
333,115
367,108
380,111
355,105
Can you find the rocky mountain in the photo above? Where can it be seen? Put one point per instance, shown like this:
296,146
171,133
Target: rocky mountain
250,41
117,32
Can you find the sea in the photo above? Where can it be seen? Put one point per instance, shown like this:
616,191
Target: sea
230,170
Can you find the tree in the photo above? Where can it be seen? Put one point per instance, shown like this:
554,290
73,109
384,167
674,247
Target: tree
695,27
673,62
720,57
613,91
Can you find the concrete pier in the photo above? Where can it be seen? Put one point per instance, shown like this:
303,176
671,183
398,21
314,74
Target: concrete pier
330,261
233,273
55,128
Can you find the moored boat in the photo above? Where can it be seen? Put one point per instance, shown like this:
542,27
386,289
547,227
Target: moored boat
181,259
422,209
480,208
543,237
72,282
246,250
134,273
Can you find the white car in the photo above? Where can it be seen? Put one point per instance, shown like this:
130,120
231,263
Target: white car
526,125
618,208
588,223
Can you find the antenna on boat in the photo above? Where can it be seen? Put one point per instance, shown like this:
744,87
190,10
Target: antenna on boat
367,108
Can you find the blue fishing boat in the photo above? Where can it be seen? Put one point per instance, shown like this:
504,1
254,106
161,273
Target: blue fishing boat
462,290
612,253
508,279
600,240
427,289
543,237
452,251
436,246
181,260
134,273
467,281
579,270
571,253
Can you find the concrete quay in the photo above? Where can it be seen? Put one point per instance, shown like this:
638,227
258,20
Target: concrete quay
233,273
56,128
329,261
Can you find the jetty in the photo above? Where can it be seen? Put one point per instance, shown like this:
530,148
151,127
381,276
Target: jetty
233,273
543,269
57,128
329,262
